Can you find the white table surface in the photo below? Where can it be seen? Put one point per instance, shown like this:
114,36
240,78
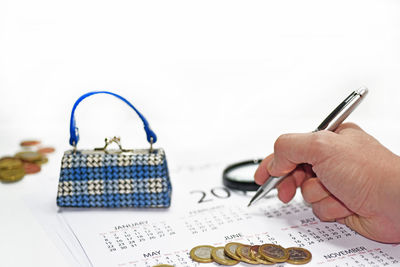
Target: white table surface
217,80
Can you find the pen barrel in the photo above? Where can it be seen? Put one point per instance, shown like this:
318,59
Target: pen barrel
273,181
341,112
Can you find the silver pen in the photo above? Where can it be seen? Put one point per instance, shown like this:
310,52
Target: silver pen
334,119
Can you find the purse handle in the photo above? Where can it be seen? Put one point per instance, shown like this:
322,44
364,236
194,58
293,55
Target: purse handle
74,132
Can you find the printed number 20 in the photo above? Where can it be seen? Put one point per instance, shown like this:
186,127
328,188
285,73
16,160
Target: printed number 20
218,192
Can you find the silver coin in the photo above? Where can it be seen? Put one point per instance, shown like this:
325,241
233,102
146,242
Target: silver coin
203,252
220,254
233,248
274,253
297,254
230,250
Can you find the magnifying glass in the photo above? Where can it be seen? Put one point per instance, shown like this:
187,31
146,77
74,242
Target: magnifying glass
240,175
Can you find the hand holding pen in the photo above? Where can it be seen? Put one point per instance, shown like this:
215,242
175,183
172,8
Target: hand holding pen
346,175
334,119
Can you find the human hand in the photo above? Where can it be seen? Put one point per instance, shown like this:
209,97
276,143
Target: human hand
347,176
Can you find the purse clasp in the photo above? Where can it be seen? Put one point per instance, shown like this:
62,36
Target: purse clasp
109,141
117,140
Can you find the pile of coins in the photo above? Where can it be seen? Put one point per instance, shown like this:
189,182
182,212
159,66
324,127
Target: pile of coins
27,161
233,253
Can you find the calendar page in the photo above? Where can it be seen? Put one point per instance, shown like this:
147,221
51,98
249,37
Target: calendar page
203,212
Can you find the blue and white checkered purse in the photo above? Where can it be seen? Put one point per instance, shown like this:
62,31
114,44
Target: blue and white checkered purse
113,178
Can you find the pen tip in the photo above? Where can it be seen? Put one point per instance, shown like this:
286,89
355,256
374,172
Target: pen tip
251,202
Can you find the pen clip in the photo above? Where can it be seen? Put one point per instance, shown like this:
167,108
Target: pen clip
336,111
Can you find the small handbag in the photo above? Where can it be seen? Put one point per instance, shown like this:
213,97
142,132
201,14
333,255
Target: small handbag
113,178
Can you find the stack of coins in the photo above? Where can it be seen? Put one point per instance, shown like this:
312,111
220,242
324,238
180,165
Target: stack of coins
266,254
27,161
11,169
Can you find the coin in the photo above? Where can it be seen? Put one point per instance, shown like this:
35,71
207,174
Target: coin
230,250
163,265
218,255
31,168
10,163
273,253
12,175
30,156
46,150
30,143
244,253
257,256
298,255
201,253
41,161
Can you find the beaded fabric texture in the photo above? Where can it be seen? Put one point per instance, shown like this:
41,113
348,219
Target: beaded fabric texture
109,179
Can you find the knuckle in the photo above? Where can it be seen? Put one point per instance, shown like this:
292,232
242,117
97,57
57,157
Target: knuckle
318,138
319,143
348,126
280,142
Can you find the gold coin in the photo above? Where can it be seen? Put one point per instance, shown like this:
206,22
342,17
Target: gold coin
12,175
30,156
257,256
273,253
298,255
41,161
218,255
163,265
244,253
202,254
230,250
10,163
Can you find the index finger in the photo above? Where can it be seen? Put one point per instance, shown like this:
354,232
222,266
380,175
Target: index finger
293,149
262,174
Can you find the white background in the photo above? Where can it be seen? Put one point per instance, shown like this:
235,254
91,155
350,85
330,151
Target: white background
217,80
